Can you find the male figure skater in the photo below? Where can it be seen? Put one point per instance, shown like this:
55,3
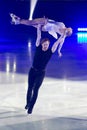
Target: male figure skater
37,72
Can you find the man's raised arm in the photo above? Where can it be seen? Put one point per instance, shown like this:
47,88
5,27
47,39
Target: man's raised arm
38,35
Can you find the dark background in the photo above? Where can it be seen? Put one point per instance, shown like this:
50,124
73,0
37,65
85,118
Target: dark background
72,12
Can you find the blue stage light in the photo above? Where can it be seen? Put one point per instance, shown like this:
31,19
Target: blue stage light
82,29
82,37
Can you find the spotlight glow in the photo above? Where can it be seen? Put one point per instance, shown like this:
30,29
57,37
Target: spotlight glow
32,7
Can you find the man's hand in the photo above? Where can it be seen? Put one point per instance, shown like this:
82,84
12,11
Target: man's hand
15,19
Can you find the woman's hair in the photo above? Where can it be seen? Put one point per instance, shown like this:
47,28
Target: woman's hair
44,40
69,31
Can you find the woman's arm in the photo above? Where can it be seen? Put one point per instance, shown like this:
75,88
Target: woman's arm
60,47
59,42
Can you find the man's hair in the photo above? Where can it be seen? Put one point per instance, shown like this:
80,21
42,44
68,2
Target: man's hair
44,40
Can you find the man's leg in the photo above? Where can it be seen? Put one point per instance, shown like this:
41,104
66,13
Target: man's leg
37,85
31,79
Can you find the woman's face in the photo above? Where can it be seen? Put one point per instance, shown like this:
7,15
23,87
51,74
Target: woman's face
45,45
68,31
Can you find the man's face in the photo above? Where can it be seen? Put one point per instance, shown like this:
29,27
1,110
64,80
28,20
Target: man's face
45,45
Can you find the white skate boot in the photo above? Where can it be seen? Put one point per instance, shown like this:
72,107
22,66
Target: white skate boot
15,19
